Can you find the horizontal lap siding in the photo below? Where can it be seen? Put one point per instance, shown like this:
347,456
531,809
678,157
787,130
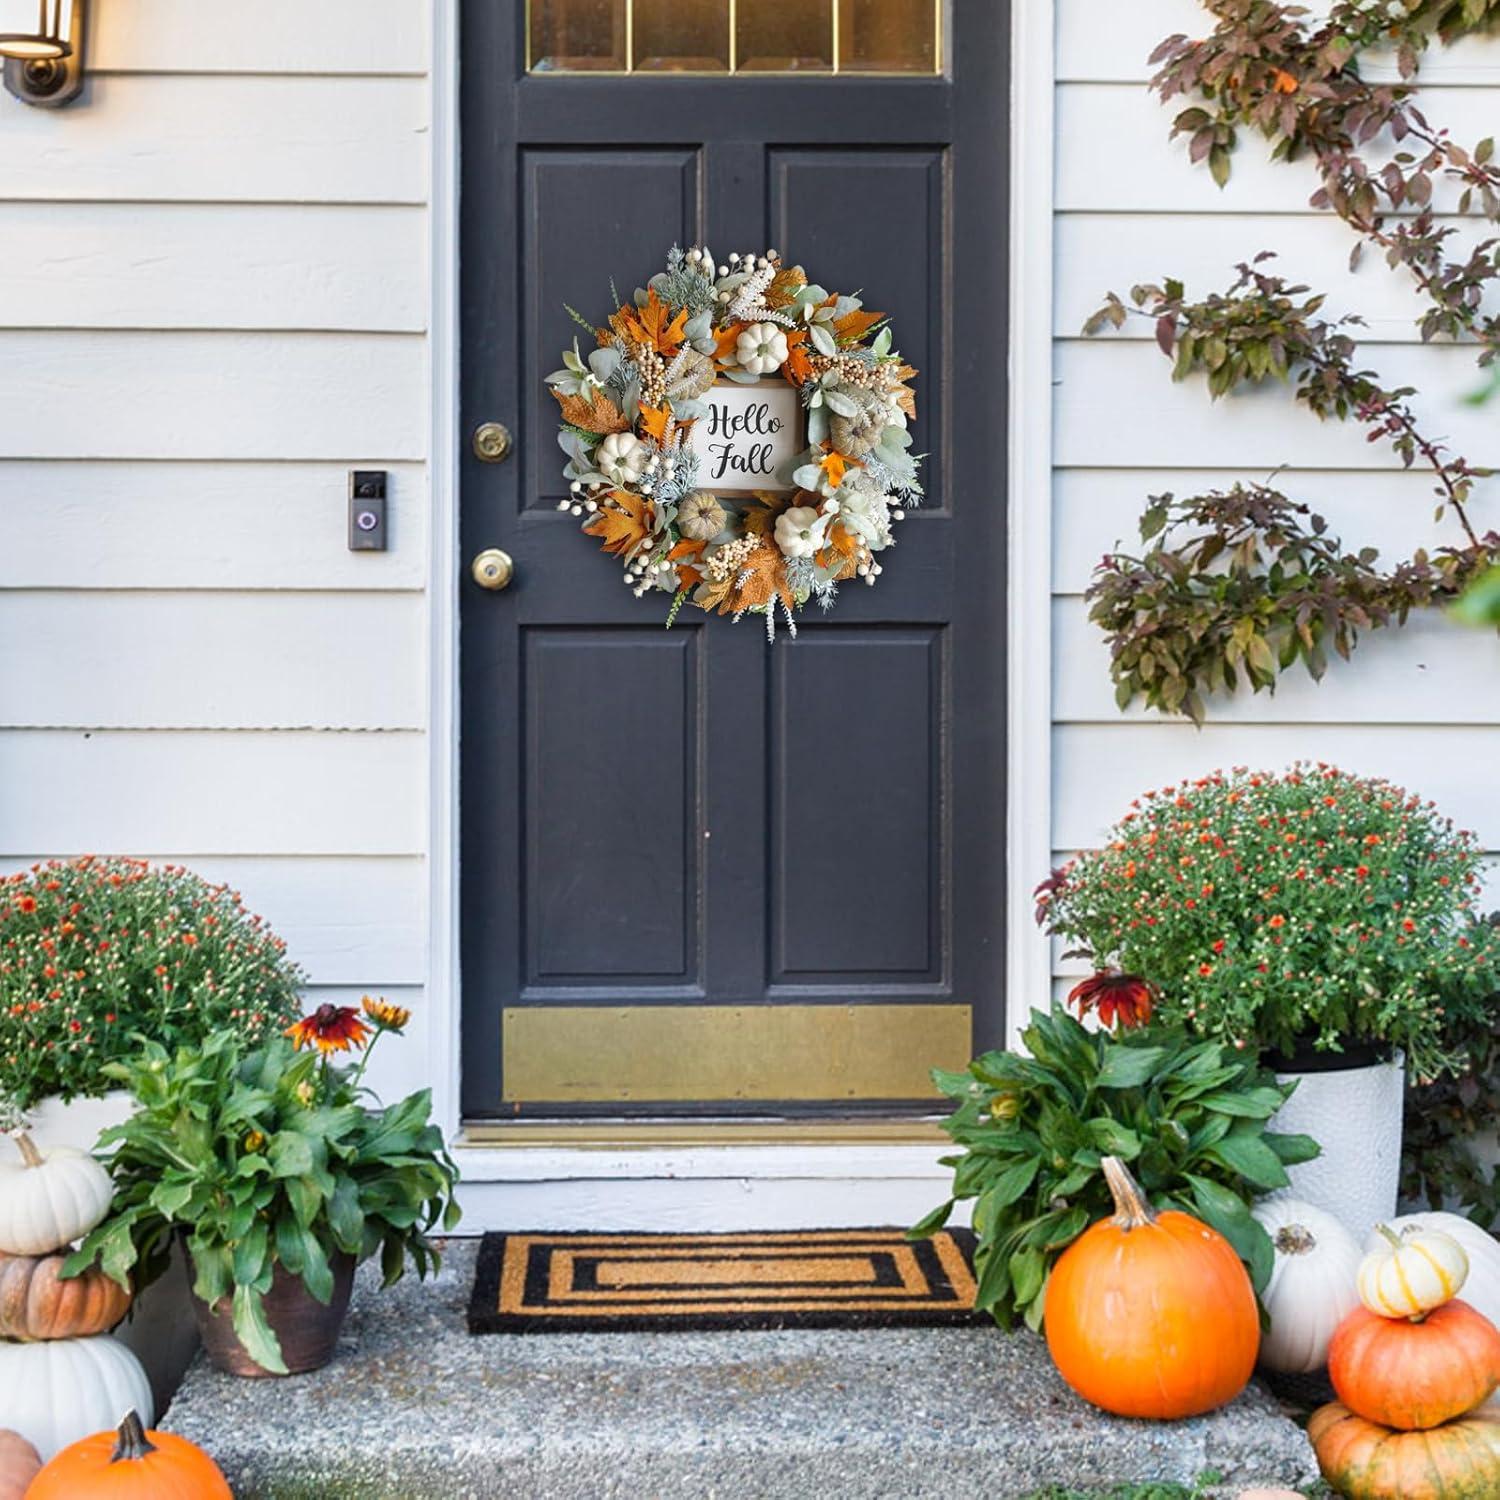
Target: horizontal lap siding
1413,705
216,282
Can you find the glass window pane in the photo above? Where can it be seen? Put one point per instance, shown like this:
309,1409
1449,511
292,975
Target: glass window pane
682,36
783,36
888,36
577,36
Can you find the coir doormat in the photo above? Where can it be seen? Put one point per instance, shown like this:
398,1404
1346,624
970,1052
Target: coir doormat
601,1283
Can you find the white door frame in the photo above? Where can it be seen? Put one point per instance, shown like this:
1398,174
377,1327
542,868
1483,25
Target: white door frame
763,1186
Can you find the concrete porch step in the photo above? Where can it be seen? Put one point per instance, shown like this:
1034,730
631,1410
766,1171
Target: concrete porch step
414,1406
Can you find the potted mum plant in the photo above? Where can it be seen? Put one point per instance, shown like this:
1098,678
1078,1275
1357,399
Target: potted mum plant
95,952
280,1173
1320,921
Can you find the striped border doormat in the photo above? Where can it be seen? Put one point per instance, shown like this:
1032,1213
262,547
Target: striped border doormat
635,1283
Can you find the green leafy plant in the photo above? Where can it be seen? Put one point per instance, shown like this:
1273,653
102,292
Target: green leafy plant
94,951
270,1157
1187,1115
1274,910
1440,1164
1235,587
1480,603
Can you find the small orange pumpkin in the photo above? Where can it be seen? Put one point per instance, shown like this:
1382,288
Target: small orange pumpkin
131,1464
1414,1373
1151,1315
1364,1461
35,1303
19,1464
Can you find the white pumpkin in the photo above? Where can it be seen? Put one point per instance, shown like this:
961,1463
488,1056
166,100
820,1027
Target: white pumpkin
50,1198
761,349
800,531
1406,1275
1312,1286
621,458
55,1393
1482,1288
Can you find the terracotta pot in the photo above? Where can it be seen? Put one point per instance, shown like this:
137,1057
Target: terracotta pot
306,1330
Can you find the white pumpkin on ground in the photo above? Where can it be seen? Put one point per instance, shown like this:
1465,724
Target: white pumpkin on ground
1406,1275
55,1393
50,1198
1481,1289
1312,1286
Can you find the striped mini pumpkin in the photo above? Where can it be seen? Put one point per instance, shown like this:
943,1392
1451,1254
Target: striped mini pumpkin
1412,1273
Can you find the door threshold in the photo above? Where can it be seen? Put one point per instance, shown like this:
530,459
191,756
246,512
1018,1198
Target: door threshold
606,1135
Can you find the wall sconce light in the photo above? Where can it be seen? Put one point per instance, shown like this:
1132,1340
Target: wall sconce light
45,66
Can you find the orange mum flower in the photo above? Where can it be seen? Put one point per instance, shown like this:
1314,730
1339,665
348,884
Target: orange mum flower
330,1028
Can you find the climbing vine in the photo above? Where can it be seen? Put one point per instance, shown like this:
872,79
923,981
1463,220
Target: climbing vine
1240,585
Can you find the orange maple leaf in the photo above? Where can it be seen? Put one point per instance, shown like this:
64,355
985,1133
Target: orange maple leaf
842,551
622,521
835,465
654,325
599,415
796,367
654,421
725,339
689,575
852,327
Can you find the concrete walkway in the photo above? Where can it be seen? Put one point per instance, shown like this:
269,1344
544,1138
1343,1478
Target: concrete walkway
413,1406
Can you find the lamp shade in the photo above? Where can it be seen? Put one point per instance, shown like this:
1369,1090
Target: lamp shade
46,44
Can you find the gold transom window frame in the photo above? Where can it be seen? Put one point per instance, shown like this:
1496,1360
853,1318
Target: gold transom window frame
838,64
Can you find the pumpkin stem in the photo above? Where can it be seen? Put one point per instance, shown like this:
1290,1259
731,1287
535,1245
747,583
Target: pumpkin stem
133,1443
29,1154
1294,1239
1131,1209
1390,1234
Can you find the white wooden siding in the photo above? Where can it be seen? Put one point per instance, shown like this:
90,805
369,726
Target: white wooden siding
1414,705
214,296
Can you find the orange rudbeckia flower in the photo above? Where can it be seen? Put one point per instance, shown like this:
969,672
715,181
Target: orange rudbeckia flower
330,1028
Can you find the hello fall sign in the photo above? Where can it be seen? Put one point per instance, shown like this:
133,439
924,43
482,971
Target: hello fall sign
749,432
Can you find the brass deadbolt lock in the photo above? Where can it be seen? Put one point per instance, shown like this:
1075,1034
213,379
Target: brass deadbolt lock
493,569
492,442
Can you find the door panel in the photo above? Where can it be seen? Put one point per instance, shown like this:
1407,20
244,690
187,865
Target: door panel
702,874
612,860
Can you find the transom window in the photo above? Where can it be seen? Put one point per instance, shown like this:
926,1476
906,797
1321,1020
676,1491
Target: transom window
734,36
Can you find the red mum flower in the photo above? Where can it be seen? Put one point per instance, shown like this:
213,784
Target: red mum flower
1125,998
330,1028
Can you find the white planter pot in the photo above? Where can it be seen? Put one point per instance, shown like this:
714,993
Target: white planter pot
160,1330
1355,1115
79,1122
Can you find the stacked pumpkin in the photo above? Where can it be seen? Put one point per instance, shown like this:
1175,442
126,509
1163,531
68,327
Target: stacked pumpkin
1410,1364
62,1377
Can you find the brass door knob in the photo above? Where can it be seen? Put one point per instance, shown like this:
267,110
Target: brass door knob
493,569
492,442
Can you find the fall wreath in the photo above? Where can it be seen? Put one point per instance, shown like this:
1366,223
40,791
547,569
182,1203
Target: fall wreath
737,439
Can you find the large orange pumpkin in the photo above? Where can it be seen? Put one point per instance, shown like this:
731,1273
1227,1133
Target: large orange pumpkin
1364,1461
35,1303
1151,1315
1411,1373
131,1464
19,1463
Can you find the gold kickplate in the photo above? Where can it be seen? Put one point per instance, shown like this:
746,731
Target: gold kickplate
673,1054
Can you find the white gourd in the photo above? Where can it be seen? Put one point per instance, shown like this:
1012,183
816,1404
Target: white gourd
1312,1286
49,1198
55,1393
1406,1275
1482,1288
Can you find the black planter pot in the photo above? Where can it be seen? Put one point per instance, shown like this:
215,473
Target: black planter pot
1305,1058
